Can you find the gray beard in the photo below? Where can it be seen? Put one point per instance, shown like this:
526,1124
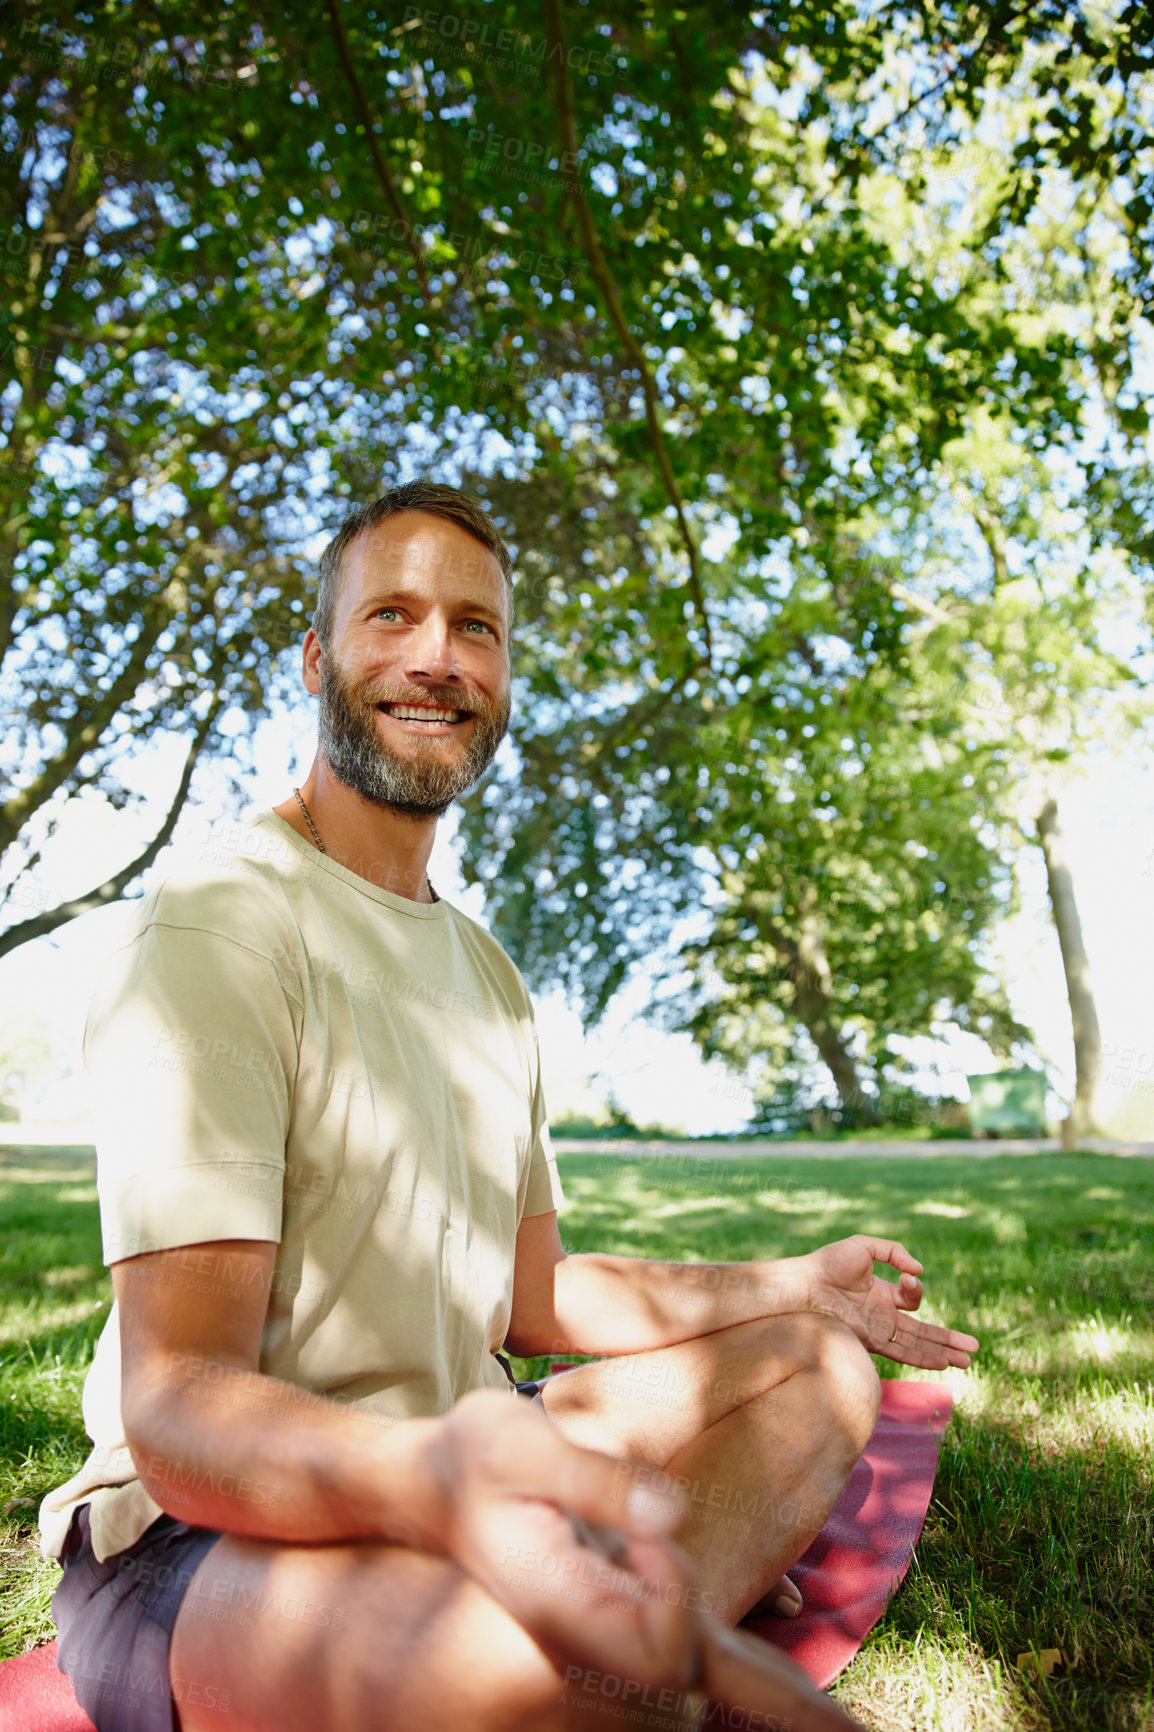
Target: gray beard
356,755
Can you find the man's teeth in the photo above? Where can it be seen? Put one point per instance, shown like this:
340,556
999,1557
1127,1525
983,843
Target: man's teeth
420,713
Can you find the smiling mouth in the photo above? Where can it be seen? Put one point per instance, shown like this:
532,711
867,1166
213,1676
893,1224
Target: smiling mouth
430,715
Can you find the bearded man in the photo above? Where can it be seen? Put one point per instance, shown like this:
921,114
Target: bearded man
315,1500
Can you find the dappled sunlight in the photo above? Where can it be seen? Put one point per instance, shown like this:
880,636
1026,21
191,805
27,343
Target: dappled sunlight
803,1202
1006,1227
1090,1421
49,1319
1099,1342
976,1392
934,1688
948,1211
1128,1417
69,1277
1121,1345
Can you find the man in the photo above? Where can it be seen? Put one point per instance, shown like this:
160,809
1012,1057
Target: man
328,1200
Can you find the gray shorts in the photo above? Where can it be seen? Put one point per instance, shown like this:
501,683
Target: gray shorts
115,1622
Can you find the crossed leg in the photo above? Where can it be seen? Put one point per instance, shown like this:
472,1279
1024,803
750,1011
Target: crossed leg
759,1425
762,1422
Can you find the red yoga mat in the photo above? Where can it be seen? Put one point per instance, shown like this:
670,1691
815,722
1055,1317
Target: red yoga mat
851,1569
846,1577
35,1697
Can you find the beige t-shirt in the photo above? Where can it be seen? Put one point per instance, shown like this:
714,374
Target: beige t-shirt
282,1051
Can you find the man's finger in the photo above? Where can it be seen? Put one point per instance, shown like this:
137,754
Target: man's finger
930,1347
927,1358
933,1334
889,1251
946,1337
756,1680
636,1623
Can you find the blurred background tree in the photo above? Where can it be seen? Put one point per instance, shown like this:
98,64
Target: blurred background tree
795,347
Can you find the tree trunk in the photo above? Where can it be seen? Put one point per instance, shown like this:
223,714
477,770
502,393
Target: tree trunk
814,1005
1083,1010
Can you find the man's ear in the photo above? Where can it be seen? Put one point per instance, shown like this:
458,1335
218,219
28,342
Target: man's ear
311,656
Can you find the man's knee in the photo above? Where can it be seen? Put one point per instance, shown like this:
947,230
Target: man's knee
832,1351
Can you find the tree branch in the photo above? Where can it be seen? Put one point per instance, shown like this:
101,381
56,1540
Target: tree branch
632,720
991,532
591,245
379,163
88,727
930,609
113,888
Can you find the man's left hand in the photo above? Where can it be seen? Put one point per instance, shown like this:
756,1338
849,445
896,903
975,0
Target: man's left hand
839,1281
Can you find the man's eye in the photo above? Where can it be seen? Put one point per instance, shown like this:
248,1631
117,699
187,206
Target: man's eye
382,611
478,623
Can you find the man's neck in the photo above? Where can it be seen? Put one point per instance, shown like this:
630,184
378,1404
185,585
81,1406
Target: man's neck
387,848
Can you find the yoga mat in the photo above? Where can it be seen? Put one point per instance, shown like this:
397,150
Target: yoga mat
846,1577
35,1697
851,1569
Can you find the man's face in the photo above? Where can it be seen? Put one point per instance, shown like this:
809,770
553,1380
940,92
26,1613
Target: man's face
414,688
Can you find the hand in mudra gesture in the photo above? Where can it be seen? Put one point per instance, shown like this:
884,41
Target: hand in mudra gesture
842,1284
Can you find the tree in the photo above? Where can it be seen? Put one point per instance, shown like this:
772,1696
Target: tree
1061,583
908,327
196,322
148,585
649,250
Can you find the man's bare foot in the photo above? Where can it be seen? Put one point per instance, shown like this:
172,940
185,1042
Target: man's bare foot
783,1600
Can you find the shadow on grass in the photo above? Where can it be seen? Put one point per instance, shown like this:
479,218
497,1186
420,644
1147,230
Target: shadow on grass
1026,1551
1041,1532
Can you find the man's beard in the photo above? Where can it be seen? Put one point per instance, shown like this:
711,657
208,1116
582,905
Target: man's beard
419,787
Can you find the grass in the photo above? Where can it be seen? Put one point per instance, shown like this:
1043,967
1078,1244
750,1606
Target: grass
1041,1530
54,1297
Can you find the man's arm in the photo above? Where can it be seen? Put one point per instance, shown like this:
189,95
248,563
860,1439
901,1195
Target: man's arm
219,1444
216,1442
607,1305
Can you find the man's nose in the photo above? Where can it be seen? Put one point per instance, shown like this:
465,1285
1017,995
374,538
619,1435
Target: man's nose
430,651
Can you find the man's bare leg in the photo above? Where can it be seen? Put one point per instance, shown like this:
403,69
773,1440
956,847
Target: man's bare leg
349,1638
761,1424
352,1638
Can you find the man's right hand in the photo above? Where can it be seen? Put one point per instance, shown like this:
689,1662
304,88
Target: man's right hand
517,1503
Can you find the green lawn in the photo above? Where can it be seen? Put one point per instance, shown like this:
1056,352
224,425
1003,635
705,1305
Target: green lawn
1041,1532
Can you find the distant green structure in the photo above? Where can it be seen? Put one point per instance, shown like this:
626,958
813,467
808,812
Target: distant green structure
1008,1103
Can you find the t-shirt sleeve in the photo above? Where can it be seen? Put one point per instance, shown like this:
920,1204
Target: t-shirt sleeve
543,1193
191,1052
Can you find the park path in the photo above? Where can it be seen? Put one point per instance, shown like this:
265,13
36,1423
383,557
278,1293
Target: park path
631,1148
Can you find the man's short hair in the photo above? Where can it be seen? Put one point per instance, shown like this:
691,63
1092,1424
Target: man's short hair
435,497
